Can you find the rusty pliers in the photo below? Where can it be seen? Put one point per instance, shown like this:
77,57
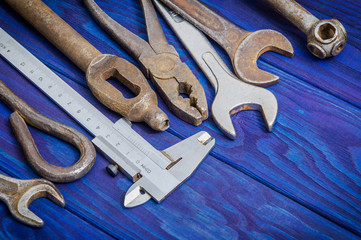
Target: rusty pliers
23,114
160,62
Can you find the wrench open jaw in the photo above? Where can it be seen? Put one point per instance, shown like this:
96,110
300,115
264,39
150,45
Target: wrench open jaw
243,47
160,62
233,96
19,194
251,48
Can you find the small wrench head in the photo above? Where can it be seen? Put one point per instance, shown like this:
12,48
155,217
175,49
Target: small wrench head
28,191
236,96
247,53
326,38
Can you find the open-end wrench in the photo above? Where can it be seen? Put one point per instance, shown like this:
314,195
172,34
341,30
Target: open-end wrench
325,38
19,194
243,47
232,95
98,67
160,62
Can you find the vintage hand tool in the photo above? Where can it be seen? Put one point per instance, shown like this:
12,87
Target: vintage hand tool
232,95
155,173
243,47
160,62
23,114
98,67
325,38
19,194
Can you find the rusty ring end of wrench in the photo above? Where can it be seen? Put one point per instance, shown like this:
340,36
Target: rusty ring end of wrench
326,38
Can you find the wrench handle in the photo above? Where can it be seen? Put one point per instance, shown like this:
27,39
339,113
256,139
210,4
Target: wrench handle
56,30
295,13
216,27
7,187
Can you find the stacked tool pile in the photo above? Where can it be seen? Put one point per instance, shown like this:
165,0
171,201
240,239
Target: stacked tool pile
160,88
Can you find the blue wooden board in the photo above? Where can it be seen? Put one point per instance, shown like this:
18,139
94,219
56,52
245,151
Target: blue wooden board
300,181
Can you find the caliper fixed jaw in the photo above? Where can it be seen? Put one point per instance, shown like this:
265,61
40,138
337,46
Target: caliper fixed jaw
155,173
185,156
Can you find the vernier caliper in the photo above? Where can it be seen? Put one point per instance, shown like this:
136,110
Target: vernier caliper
155,173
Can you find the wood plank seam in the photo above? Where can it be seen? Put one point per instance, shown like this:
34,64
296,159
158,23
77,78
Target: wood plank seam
343,98
244,170
285,193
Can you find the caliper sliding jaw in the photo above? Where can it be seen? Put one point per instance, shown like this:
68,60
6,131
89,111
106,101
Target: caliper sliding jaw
155,173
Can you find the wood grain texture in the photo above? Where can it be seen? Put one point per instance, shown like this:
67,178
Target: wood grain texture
312,158
216,203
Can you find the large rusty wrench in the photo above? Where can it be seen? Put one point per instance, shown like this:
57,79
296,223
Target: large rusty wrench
23,114
19,194
98,67
243,47
325,38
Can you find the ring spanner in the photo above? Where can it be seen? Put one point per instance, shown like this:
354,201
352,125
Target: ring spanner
160,62
232,95
155,173
243,47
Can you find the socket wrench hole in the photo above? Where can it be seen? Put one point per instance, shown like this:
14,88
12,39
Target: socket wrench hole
326,32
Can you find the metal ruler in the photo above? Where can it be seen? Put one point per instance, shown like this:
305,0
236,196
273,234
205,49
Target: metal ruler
156,174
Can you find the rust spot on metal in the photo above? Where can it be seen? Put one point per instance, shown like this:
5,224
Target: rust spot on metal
244,107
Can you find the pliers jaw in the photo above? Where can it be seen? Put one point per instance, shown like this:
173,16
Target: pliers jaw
176,83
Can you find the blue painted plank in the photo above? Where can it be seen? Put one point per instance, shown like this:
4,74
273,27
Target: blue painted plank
218,202
266,164
308,182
